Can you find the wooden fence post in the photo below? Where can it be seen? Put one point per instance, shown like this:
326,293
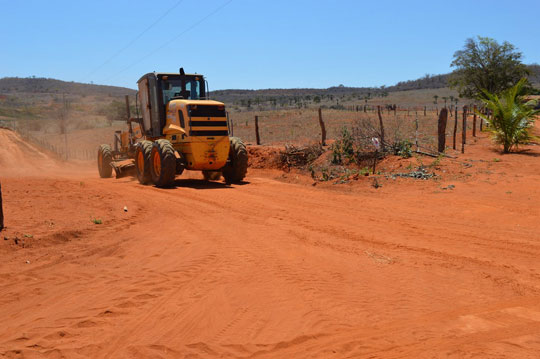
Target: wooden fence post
257,137
416,132
474,122
455,130
443,118
323,128
464,130
1,210
231,125
382,126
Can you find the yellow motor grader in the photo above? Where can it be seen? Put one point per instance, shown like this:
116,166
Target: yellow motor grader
180,129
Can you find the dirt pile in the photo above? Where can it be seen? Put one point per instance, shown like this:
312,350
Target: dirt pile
18,156
264,156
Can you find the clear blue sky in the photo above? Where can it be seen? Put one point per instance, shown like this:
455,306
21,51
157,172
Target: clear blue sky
254,43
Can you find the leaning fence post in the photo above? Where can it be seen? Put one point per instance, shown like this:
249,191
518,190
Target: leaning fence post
257,137
455,130
474,122
1,210
443,118
381,125
464,130
323,128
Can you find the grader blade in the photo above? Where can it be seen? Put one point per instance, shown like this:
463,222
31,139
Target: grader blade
124,168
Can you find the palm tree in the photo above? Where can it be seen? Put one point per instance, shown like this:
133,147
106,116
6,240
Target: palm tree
445,99
435,97
511,117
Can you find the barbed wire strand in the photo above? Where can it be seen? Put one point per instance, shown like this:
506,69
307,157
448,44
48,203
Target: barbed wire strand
171,40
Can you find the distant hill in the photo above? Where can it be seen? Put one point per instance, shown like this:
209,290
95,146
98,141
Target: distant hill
426,82
14,85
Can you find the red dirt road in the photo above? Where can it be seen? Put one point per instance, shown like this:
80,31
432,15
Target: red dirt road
270,269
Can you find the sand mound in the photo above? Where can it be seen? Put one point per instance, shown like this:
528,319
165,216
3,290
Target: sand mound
18,156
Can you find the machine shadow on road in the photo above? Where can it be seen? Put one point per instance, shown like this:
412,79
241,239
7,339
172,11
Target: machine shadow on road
201,184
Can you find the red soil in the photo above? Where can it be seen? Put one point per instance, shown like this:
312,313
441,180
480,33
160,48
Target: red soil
271,269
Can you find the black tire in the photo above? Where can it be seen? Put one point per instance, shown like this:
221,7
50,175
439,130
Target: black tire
142,162
104,161
162,163
211,175
180,164
236,168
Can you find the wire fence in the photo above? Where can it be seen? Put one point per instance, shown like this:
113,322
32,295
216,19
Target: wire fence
416,125
59,150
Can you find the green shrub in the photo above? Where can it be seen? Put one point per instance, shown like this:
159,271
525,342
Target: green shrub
512,118
343,148
402,148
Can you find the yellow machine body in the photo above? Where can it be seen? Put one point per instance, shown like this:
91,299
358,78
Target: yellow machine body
200,136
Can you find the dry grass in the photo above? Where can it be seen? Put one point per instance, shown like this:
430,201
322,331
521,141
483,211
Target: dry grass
302,126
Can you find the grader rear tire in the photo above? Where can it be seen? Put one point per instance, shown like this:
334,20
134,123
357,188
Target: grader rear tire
104,161
142,162
236,168
163,163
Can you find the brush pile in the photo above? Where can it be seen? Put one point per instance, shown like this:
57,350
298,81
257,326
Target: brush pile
301,156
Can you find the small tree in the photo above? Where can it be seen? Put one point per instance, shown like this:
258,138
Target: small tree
512,118
484,64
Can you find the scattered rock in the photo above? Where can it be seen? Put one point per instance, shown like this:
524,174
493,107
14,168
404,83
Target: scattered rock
419,173
125,208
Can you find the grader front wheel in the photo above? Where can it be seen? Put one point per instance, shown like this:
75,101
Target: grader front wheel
236,168
163,163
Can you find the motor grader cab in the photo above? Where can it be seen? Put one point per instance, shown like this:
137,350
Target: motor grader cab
180,129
